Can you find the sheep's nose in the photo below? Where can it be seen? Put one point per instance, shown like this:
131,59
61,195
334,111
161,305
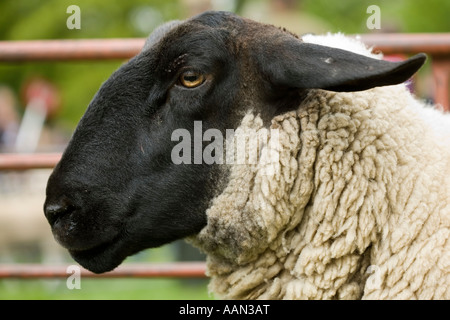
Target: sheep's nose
55,210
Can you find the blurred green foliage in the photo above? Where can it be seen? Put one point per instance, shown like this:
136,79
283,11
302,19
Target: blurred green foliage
350,16
46,19
78,81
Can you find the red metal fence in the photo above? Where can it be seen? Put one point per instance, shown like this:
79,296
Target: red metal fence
141,270
437,46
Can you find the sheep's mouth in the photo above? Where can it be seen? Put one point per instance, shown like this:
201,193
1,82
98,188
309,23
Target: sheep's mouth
92,251
102,257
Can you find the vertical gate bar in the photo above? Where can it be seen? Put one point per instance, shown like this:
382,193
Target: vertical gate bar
441,73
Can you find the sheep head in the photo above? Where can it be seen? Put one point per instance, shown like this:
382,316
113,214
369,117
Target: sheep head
117,191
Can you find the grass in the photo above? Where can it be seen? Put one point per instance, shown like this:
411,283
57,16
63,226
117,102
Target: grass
104,289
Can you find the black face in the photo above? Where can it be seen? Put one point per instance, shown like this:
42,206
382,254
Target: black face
117,191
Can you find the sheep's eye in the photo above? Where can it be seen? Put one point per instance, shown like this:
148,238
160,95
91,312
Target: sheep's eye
191,79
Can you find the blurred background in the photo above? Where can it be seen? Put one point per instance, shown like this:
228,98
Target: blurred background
68,87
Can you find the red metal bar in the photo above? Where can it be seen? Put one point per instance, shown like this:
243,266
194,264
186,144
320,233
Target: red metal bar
441,77
434,44
94,49
168,270
11,161
57,50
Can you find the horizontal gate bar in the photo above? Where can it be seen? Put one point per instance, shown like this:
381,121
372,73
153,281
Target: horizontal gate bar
19,161
434,44
137,270
58,50
101,49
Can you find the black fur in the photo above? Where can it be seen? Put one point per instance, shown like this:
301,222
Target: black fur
116,191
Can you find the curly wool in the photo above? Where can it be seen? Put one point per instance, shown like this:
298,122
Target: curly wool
356,208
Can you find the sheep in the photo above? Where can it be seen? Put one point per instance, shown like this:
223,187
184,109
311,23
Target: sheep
354,204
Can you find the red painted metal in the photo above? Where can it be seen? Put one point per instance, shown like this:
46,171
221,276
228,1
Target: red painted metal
437,46
15,161
441,77
434,44
57,50
147,270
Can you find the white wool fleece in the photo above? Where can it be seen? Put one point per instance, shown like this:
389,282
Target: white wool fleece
358,206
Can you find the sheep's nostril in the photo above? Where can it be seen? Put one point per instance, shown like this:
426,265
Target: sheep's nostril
53,211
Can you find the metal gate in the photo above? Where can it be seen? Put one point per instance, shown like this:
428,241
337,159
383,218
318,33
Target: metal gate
437,46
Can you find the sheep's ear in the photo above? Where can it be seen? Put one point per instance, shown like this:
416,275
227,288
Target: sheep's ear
303,65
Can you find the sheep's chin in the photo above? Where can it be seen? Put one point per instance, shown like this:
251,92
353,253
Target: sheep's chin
101,258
